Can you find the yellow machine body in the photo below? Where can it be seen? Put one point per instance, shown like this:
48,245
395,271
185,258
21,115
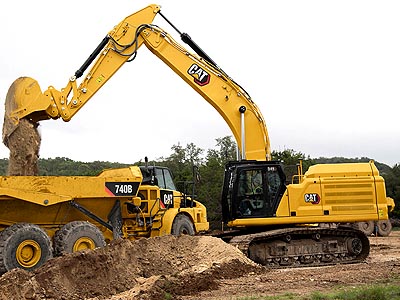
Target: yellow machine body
53,201
330,193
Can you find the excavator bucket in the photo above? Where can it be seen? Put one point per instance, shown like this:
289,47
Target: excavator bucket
24,100
24,105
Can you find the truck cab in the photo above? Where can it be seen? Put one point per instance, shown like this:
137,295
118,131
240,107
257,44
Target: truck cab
156,175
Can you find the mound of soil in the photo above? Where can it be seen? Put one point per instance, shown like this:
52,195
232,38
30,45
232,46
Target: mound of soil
143,269
189,268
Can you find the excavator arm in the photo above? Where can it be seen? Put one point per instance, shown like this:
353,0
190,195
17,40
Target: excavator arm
113,51
119,46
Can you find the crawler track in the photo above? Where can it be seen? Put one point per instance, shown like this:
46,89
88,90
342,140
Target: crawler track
306,246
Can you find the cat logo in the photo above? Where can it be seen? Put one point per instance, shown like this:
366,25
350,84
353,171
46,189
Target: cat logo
312,198
200,76
166,199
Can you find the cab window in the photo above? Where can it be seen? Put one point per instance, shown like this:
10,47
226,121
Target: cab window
164,179
257,192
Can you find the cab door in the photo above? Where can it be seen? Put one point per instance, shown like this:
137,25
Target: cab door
252,190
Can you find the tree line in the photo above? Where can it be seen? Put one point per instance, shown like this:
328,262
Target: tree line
206,168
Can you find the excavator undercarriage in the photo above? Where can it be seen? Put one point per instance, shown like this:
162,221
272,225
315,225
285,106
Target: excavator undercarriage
303,246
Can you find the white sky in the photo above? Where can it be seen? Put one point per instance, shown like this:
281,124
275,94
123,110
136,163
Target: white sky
325,74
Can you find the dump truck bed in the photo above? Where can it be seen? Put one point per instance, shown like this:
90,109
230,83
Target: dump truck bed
46,199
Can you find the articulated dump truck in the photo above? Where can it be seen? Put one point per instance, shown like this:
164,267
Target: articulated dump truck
42,216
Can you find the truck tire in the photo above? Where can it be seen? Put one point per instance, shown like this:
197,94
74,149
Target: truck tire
384,227
77,236
367,227
25,246
182,225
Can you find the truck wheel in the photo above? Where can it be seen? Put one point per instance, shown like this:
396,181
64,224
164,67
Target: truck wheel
367,227
25,246
182,225
384,227
77,236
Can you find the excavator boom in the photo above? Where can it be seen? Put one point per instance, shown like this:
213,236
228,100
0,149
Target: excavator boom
26,100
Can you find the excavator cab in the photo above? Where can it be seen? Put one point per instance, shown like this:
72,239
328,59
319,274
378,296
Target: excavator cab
252,189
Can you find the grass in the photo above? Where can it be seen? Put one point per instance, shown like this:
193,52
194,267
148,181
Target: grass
375,292
369,292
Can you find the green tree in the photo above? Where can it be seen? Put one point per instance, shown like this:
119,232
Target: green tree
291,159
392,182
212,174
62,166
182,162
3,166
211,170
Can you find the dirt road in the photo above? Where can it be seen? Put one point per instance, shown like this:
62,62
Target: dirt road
187,268
383,263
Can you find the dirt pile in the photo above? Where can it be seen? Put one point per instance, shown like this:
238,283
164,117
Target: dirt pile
24,144
143,269
23,139
382,266
189,268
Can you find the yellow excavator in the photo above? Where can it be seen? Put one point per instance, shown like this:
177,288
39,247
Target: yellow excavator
272,223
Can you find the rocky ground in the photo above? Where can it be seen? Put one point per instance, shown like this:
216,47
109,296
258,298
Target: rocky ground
187,268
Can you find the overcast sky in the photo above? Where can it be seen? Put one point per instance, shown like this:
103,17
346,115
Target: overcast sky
325,74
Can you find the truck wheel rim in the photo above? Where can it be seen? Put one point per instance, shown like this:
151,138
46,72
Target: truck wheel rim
84,243
28,253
